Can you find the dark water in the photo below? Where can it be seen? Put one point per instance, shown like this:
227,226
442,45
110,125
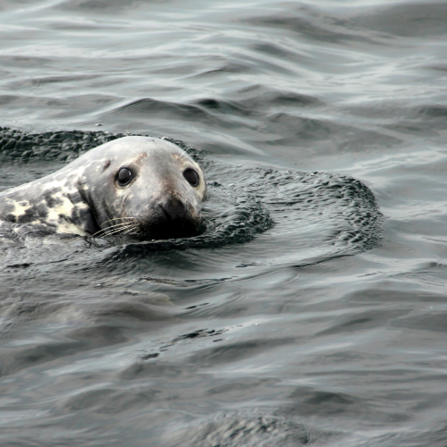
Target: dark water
301,316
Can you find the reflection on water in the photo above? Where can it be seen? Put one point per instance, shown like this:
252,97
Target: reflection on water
303,315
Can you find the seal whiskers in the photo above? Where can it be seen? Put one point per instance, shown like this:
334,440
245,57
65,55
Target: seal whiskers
117,228
112,231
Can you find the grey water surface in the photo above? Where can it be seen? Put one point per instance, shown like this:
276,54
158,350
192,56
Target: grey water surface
313,308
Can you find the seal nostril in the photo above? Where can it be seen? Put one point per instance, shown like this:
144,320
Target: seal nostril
173,208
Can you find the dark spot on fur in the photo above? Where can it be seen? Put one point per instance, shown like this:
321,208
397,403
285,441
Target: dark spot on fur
84,218
75,198
51,200
42,210
28,216
106,165
11,218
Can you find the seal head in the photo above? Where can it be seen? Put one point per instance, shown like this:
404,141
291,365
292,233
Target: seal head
137,186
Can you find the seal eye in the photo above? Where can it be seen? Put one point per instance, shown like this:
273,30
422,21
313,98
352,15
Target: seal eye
124,176
191,177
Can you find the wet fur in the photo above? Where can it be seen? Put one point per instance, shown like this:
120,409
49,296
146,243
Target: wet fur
83,198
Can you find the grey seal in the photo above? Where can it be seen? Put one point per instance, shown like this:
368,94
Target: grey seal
142,187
